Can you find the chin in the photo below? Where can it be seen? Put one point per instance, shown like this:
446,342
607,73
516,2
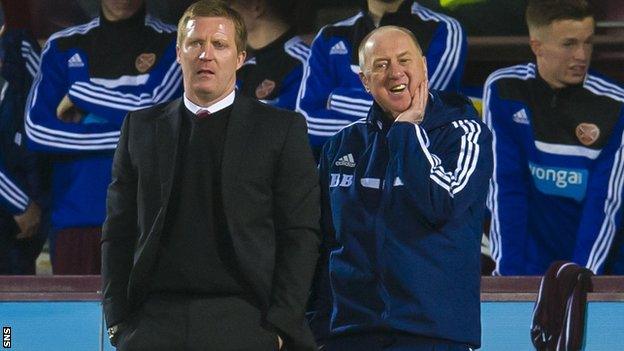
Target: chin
202,89
575,80
398,108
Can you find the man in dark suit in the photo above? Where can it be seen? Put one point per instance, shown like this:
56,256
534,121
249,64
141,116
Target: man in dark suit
211,235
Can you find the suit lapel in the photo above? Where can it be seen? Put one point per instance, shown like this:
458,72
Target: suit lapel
167,134
238,131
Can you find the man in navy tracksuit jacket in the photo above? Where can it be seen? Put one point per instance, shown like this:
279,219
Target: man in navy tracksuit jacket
403,196
331,95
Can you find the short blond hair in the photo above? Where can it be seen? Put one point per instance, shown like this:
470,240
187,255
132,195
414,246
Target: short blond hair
214,8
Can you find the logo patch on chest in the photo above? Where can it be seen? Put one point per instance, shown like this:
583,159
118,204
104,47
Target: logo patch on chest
339,49
75,61
521,117
265,88
558,181
587,133
144,62
346,160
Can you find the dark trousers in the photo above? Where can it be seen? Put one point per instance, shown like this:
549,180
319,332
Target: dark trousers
174,322
390,341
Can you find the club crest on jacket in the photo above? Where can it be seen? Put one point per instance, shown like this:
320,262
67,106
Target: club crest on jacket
587,133
144,62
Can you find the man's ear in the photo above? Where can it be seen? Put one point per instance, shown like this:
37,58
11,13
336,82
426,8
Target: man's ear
177,54
364,81
240,59
536,46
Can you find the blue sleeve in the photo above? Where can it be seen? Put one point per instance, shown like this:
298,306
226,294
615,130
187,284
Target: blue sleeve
13,198
446,56
331,95
507,200
290,84
45,131
602,210
443,182
287,98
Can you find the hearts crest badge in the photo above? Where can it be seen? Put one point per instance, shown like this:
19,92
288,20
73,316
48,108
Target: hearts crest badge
144,62
587,133
265,88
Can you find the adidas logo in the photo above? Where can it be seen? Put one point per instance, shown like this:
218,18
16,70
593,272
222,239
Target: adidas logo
346,160
339,49
75,61
521,117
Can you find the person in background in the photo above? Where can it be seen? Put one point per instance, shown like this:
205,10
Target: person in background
212,229
403,198
90,76
24,215
331,95
558,127
276,51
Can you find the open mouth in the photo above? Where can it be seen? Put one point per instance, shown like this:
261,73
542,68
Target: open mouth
398,88
204,72
578,69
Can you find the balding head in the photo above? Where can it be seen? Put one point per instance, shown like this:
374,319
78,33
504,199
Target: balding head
384,33
393,67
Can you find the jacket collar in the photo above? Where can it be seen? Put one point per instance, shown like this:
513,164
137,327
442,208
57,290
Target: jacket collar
238,130
379,119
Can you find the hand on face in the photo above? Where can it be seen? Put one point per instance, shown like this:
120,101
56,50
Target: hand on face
416,112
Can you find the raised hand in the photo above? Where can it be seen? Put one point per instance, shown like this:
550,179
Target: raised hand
416,112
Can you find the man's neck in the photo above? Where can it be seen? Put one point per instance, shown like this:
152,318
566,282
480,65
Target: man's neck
265,32
552,83
377,9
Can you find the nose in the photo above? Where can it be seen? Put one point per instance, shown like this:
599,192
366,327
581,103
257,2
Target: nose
583,52
206,53
396,71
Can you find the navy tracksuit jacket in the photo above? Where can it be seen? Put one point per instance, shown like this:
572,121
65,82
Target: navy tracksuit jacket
403,207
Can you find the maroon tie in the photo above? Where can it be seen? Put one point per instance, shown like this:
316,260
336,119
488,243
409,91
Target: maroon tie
201,114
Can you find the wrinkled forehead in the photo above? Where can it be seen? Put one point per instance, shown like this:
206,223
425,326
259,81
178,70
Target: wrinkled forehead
211,25
390,43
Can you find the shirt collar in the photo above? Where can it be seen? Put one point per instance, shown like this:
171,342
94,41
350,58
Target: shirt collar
217,106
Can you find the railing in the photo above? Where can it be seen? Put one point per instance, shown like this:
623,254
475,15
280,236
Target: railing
64,313
87,288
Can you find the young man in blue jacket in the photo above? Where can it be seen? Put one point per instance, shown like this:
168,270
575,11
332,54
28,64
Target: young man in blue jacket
403,196
557,188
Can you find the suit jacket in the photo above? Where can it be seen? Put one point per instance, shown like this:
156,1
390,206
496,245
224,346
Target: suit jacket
270,198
